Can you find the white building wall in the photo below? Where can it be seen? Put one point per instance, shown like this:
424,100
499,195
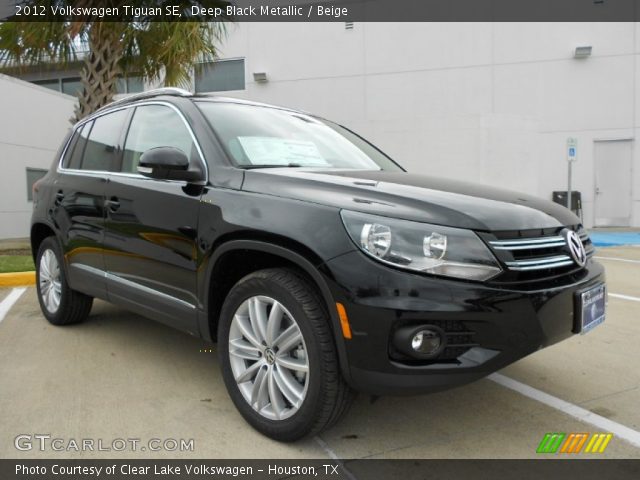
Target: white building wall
484,102
33,123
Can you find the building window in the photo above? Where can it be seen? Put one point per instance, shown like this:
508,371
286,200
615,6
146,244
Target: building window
72,86
130,85
33,175
220,76
53,84
69,85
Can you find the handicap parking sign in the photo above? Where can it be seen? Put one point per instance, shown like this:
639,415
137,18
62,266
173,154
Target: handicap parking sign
572,149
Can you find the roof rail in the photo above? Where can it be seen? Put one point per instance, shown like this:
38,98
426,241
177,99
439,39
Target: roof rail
177,92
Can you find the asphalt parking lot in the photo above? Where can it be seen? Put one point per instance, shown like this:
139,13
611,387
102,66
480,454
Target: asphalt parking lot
120,375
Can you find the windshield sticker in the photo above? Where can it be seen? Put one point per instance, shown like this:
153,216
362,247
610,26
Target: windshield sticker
281,151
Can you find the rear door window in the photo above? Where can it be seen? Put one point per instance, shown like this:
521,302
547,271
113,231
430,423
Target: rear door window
102,148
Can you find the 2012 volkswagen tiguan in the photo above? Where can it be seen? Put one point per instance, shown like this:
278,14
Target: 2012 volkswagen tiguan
317,263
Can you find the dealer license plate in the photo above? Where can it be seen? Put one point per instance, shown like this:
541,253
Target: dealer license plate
592,307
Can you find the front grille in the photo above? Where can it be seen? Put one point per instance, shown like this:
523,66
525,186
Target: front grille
536,257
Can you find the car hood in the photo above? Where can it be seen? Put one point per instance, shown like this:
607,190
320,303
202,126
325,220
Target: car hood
412,197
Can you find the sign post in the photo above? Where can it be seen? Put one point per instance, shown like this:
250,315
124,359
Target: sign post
572,155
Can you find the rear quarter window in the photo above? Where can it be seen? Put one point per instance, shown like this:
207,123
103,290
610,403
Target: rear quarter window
73,157
102,146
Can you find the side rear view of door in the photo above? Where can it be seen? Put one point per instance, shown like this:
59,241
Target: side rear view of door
79,199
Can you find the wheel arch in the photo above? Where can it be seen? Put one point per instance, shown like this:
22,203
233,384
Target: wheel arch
39,231
261,254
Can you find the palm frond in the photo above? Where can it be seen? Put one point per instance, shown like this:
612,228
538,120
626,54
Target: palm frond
170,49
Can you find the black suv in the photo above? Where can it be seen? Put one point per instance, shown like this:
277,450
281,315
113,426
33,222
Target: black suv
316,262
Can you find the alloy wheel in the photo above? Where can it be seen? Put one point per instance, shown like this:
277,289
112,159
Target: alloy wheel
268,357
50,284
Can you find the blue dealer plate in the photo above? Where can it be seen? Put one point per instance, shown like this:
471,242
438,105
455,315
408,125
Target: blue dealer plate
592,307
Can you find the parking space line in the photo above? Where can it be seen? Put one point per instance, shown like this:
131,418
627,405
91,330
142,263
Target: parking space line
625,260
9,301
624,297
579,413
334,456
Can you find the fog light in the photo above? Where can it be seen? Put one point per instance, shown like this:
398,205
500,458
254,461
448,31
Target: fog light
420,341
426,342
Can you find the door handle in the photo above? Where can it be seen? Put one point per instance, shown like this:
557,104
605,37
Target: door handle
59,197
113,204
598,191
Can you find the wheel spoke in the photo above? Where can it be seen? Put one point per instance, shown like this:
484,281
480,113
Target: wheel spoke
274,322
288,339
259,394
249,373
275,395
289,387
243,349
245,327
44,267
49,299
258,318
52,264
291,363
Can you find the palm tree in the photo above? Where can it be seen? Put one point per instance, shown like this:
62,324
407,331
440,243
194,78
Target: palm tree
146,48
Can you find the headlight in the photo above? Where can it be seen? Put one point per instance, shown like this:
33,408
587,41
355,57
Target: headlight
451,252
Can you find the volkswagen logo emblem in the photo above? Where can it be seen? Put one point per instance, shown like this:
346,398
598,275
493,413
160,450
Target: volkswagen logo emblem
575,246
270,356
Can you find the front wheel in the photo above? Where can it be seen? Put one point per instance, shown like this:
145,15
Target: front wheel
278,357
59,303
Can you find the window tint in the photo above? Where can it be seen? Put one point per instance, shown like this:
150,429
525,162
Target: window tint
76,147
103,141
155,126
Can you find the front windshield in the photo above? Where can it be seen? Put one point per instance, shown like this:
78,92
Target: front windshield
256,136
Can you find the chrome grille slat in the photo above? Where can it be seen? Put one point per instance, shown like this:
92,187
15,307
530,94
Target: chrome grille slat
539,261
545,253
526,241
528,267
529,246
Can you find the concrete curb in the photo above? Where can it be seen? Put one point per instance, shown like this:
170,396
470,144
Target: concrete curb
17,279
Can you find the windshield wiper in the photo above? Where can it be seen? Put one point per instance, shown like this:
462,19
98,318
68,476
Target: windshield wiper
270,165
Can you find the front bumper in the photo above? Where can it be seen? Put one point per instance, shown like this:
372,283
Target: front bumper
508,323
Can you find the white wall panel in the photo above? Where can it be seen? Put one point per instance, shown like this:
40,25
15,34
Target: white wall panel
33,123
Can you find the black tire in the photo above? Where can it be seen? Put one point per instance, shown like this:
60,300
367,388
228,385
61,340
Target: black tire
74,307
327,396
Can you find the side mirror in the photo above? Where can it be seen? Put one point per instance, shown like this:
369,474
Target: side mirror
169,163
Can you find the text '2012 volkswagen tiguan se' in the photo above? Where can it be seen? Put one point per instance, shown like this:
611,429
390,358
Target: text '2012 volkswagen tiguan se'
318,265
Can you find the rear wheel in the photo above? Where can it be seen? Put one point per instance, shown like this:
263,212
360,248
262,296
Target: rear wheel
278,356
59,304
